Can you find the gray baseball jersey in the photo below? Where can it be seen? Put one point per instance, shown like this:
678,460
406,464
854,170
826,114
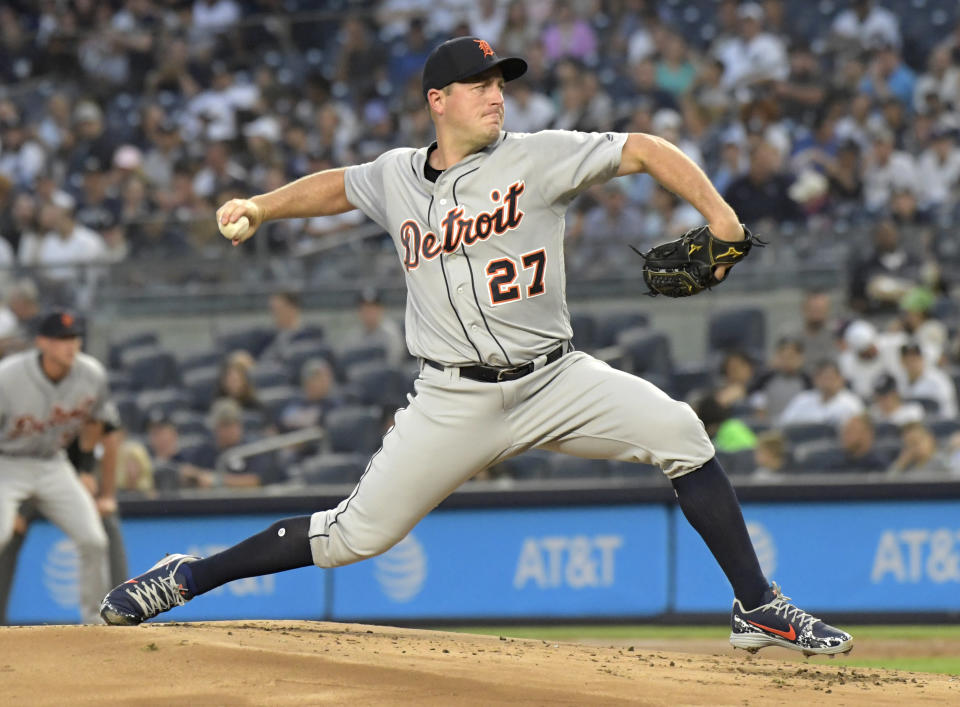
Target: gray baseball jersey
38,417
483,246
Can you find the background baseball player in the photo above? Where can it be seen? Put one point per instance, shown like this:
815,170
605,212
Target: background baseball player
478,221
47,396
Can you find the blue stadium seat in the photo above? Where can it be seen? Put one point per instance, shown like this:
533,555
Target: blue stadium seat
647,351
738,329
302,351
532,464
331,469
688,380
119,381
115,352
131,416
584,330
311,332
202,384
611,325
942,429
252,339
826,459
266,375
886,431
631,470
164,400
190,423
814,431
377,384
275,398
360,355
737,463
201,359
354,429
153,370
563,466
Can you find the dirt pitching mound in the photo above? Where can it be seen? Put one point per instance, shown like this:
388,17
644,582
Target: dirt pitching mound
305,663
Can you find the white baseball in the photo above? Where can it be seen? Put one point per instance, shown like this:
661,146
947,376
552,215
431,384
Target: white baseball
237,229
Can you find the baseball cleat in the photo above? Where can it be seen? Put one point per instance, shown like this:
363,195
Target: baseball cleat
157,590
779,623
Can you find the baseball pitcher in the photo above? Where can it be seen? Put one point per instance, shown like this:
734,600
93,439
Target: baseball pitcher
477,219
47,396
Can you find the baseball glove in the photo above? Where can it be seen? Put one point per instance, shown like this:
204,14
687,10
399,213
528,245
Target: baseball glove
684,267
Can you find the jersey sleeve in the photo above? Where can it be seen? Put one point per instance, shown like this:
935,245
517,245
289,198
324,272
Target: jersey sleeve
574,161
364,184
104,409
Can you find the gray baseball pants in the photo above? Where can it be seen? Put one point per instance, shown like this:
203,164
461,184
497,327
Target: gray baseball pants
454,427
63,500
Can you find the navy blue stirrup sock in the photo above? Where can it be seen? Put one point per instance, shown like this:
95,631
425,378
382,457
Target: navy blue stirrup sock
285,545
710,505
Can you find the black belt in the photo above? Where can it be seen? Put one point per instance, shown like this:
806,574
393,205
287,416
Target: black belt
492,374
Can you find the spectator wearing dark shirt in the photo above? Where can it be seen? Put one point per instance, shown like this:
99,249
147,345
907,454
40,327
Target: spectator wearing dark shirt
879,280
209,467
771,391
761,194
858,442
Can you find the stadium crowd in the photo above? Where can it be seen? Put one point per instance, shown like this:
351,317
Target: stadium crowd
833,126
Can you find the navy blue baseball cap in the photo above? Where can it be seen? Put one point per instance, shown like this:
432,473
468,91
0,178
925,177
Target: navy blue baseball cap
60,325
460,58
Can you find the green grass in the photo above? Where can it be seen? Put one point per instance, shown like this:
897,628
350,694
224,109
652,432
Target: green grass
949,665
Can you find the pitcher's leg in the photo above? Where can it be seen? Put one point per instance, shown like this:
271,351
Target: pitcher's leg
63,500
424,458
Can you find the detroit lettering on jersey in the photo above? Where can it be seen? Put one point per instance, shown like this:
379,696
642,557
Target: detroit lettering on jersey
24,425
458,228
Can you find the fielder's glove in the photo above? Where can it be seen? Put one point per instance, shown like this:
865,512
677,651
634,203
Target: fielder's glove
684,267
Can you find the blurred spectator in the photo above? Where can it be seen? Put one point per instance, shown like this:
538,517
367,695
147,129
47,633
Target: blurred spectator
888,404
212,17
675,70
668,124
609,225
732,162
816,333
160,158
212,465
844,179
867,357
737,372
770,455
919,453
865,26
286,310
219,172
134,468
235,382
315,400
762,193
526,111
487,19
921,381
568,35
918,324
163,445
772,391
802,93
643,88
91,140
519,34
708,91
66,243
21,157
889,77
886,168
858,442
938,168
760,57
941,80
879,280
667,217
97,208
728,433
362,59
18,316
829,402
376,329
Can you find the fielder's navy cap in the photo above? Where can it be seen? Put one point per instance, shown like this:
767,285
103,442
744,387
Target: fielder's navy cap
460,58
60,325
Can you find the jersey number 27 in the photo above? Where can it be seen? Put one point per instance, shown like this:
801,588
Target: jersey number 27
503,275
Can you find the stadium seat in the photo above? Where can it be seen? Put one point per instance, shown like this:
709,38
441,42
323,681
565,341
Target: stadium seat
738,329
252,339
376,384
563,466
115,352
942,429
331,469
646,351
165,401
631,470
190,423
359,355
302,351
827,459
886,431
612,324
532,464
584,330
202,384
153,370
202,359
131,416
737,463
275,398
267,375
809,432
311,332
354,429
119,381
688,380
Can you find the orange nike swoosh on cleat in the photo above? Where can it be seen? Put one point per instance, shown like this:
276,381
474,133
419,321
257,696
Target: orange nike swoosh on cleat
789,635
131,581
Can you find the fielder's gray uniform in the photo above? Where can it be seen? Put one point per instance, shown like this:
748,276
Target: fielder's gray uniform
482,248
38,419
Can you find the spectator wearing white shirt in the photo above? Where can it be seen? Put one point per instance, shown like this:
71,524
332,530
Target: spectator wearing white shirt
885,169
213,17
868,357
920,381
526,110
938,168
759,57
866,26
889,406
941,79
66,243
21,157
829,402
487,19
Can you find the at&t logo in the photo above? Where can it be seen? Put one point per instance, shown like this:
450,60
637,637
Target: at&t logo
402,571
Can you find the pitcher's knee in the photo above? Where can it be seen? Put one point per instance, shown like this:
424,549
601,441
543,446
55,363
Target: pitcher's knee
692,447
333,544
